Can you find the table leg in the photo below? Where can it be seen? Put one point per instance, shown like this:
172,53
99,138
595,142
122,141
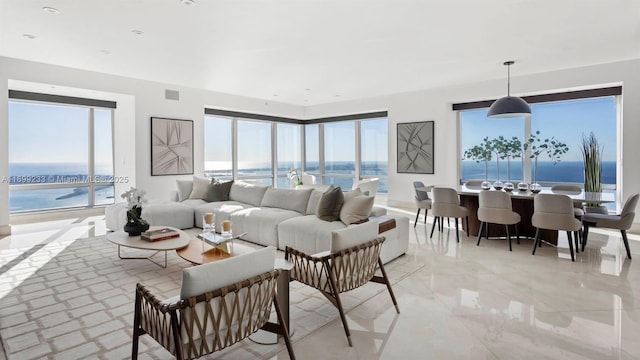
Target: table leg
145,258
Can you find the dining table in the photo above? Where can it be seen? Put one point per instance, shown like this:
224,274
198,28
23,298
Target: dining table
522,203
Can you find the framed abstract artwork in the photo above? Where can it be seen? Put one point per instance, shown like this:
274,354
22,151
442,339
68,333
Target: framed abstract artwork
171,146
415,147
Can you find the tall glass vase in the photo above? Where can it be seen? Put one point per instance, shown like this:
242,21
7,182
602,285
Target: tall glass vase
535,187
522,186
508,186
498,185
486,185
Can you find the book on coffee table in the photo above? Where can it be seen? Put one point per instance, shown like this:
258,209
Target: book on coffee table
159,234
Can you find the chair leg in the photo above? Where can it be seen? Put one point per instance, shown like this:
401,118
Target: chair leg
448,222
440,224
426,212
486,232
284,329
508,237
388,283
417,216
570,245
585,235
517,233
467,224
626,242
480,232
575,241
136,326
457,231
433,226
336,296
535,241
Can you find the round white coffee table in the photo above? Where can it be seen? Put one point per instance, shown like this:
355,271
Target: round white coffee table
121,238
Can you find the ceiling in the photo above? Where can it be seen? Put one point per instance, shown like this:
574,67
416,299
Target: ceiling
308,52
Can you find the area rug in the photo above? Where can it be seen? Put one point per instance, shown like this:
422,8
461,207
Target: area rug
73,299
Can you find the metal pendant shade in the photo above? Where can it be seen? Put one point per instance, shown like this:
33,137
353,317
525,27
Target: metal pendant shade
509,106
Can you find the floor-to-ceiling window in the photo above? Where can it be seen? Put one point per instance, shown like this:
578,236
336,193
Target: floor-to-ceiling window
555,125
339,154
218,147
374,151
266,149
289,154
60,155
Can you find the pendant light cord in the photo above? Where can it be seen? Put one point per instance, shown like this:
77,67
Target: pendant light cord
508,79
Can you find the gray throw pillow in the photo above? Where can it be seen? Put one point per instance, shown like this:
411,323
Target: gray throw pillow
218,191
330,204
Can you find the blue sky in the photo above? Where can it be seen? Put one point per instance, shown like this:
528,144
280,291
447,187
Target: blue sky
567,121
40,133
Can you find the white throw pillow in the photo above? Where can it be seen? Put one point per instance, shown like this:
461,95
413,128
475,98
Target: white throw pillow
200,279
356,207
184,189
200,188
353,235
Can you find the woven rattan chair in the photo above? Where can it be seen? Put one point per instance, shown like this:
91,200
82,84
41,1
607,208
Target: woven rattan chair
193,325
351,263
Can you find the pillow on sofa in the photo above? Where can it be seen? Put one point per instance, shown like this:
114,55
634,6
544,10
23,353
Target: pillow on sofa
290,199
200,188
356,207
330,204
218,191
247,192
184,189
314,200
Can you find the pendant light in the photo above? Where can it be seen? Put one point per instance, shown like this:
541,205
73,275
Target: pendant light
509,106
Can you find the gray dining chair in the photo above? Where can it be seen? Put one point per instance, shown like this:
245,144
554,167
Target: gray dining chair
554,212
445,203
422,201
495,208
622,221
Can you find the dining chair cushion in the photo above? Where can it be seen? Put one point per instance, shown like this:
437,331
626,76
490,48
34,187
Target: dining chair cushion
554,212
200,279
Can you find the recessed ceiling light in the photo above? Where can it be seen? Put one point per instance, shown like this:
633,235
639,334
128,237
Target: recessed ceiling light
105,51
137,32
188,2
275,95
307,89
51,10
305,100
337,95
29,36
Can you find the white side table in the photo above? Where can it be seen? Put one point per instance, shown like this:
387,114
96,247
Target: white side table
121,238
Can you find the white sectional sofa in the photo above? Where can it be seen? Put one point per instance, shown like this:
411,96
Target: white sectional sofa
268,216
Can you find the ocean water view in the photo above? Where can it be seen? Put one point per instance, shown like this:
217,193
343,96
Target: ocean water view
561,172
77,175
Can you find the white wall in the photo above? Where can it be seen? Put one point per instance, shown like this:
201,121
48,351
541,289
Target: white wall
436,105
138,100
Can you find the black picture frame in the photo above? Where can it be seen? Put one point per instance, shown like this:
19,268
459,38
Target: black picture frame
415,150
171,146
